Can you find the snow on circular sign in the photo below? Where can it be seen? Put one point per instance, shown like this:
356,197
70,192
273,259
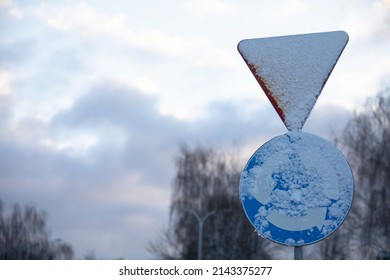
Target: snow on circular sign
297,189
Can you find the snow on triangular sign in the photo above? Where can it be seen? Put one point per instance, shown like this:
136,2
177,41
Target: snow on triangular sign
292,70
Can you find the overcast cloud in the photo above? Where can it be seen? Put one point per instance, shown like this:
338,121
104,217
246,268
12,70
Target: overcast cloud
97,96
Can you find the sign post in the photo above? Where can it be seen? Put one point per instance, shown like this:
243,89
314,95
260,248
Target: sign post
297,188
298,253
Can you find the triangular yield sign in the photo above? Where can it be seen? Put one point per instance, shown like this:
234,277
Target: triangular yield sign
292,70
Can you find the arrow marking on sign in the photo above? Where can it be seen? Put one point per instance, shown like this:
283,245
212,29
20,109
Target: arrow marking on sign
265,184
292,70
315,217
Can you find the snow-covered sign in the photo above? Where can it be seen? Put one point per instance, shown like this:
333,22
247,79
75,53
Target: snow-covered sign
296,189
292,70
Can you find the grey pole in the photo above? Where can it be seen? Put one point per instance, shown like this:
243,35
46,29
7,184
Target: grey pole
298,253
200,237
201,220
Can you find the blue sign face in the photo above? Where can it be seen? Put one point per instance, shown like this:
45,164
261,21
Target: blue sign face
297,189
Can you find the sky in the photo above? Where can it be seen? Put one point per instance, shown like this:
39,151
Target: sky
96,98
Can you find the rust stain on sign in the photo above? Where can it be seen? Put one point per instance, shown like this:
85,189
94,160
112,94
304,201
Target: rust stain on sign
268,91
292,70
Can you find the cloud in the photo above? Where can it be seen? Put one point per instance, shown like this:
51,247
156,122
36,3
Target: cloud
120,117
211,7
238,122
79,16
16,51
383,9
5,112
327,120
112,105
291,9
5,83
144,84
92,24
368,20
5,3
215,58
86,192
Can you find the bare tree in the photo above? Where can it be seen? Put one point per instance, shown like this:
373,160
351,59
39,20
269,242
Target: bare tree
207,219
336,246
366,143
23,236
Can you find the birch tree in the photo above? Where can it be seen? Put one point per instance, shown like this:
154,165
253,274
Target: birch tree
207,219
23,236
366,143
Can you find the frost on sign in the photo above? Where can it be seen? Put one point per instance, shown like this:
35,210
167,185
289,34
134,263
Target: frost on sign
297,189
292,70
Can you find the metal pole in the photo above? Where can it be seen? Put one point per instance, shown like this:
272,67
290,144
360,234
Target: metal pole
200,238
200,221
298,253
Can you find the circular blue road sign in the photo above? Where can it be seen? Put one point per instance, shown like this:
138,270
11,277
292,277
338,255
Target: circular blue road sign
297,189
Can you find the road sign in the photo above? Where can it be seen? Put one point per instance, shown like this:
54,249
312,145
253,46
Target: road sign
297,189
292,70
